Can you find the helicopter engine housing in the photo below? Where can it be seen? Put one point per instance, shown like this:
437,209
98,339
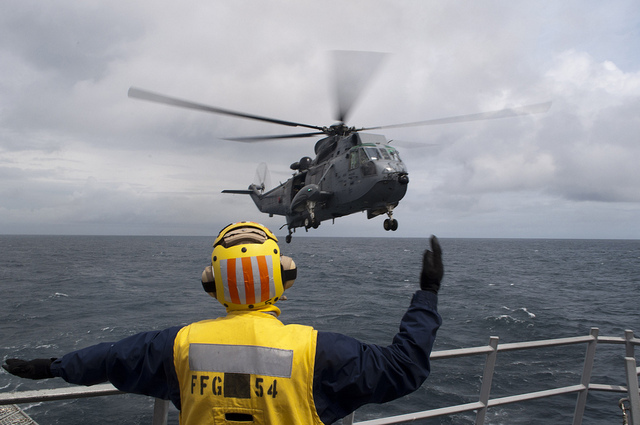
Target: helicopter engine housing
302,165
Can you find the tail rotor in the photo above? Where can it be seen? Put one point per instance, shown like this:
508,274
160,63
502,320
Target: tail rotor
262,178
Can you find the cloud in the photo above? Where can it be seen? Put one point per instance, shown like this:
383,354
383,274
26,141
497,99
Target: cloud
583,149
600,104
76,155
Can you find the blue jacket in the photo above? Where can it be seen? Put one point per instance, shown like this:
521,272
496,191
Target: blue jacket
347,374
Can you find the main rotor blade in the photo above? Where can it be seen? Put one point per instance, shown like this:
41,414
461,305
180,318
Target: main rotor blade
537,108
158,98
274,137
352,71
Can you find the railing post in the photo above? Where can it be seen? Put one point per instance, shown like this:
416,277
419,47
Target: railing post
632,378
348,420
160,411
581,402
632,389
487,377
628,337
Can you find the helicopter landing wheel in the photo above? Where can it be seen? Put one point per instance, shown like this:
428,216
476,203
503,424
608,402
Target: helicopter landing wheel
390,224
311,222
288,238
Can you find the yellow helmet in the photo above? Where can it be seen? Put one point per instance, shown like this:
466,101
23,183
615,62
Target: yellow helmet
247,270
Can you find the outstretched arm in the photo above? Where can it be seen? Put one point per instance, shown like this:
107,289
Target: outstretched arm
349,373
140,364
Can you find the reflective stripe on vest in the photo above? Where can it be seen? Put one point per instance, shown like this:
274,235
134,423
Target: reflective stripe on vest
249,359
249,280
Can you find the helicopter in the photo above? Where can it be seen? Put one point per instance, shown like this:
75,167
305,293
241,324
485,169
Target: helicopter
352,171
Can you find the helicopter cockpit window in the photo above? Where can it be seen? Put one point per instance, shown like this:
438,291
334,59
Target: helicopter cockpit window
364,154
354,159
393,152
372,153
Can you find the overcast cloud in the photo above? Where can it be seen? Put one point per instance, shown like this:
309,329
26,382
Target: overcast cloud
77,156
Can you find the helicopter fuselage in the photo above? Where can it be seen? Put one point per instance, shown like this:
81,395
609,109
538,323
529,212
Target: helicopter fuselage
353,173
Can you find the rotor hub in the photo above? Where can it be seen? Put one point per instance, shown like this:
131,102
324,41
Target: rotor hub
339,129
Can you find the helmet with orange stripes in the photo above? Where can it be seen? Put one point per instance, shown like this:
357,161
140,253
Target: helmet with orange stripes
247,270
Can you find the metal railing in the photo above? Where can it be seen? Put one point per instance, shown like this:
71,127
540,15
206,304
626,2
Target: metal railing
632,401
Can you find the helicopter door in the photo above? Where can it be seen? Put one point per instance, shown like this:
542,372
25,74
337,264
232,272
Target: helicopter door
298,183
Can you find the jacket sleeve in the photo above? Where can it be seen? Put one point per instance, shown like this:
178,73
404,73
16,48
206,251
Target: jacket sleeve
349,373
140,364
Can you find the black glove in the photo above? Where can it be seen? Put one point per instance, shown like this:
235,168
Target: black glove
432,269
32,369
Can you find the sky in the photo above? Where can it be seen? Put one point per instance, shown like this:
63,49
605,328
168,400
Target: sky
77,156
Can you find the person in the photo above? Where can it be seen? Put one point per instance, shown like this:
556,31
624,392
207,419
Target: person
250,367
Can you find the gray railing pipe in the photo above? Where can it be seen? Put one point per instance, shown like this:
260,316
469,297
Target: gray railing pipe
632,371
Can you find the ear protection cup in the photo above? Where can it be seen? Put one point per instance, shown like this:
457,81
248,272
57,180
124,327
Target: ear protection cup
289,271
208,283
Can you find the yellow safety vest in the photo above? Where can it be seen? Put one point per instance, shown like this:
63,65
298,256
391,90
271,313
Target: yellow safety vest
247,367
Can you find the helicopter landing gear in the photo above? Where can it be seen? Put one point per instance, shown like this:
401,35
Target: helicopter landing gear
290,235
310,220
390,223
308,223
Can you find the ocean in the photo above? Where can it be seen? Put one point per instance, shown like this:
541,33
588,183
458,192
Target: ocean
61,293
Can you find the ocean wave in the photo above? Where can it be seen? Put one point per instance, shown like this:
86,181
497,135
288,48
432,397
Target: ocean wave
522,309
513,316
504,318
